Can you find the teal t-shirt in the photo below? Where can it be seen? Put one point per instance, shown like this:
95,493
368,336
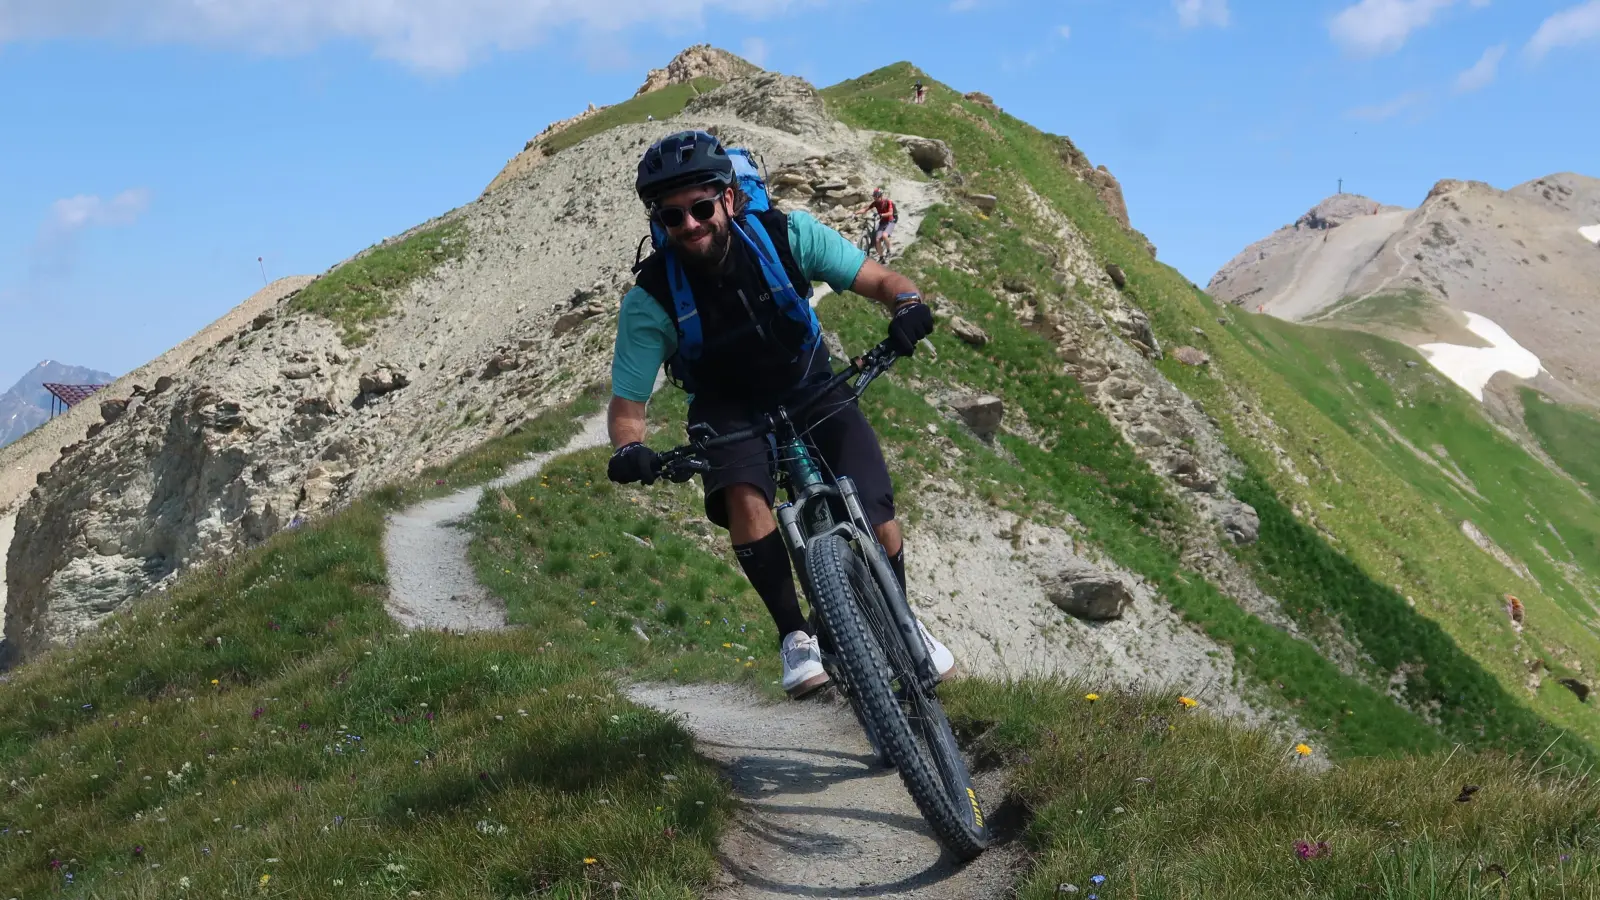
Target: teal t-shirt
646,337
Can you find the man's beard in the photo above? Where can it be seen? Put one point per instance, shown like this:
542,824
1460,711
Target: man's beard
715,251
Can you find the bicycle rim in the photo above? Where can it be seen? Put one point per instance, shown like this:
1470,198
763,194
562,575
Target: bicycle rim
910,726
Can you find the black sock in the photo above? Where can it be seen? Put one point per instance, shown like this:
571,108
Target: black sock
766,564
898,563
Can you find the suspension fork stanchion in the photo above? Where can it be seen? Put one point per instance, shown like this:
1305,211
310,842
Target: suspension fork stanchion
878,562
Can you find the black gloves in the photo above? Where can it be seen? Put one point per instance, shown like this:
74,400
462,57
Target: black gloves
634,462
911,322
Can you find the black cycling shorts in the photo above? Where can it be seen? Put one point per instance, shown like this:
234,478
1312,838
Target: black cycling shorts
840,438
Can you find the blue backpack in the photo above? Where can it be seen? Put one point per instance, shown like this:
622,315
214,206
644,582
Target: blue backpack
793,301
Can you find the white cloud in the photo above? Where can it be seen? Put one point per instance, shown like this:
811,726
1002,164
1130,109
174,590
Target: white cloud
1376,27
1195,13
755,50
1567,28
75,213
1065,32
55,249
423,34
964,5
1483,72
1381,111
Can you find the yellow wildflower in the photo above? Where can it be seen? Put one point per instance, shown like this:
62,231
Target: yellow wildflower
1091,697
1303,749
589,860
1190,702
265,879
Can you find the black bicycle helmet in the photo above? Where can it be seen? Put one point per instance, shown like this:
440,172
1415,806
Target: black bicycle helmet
677,161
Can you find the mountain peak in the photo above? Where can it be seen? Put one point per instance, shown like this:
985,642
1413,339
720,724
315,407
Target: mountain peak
1340,208
698,61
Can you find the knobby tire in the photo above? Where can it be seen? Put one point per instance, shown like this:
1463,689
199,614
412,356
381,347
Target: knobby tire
857,618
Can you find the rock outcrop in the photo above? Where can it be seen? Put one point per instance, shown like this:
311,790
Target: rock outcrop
699,61
1106,187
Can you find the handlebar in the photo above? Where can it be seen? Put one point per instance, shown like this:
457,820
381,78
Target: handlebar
681,463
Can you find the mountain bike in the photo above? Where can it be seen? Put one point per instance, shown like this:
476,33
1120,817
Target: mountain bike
869,238
872,649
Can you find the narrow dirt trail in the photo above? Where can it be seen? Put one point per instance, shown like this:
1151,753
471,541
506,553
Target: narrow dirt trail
821,819
431,583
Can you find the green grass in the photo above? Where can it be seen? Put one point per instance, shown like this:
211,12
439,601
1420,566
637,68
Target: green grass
1164,801
1387,520
264,729
587,562
1407,309
362,291
1084,468
1571,436
663,104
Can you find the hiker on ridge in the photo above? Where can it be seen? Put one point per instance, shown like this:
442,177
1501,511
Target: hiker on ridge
919,95
887,216
753,344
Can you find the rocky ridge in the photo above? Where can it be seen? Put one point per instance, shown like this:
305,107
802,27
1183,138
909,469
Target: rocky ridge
698,61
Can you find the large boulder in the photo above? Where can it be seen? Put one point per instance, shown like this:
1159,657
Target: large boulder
929,154
982,414
968,332
383,380
1085,592
1241,523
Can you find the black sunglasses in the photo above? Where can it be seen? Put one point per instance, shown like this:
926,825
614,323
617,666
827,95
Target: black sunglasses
673,216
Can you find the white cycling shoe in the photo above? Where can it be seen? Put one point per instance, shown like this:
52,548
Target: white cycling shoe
802,661
944,662
802,665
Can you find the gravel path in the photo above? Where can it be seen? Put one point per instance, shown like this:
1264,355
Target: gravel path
820,819
431,583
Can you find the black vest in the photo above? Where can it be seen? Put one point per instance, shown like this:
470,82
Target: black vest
750,350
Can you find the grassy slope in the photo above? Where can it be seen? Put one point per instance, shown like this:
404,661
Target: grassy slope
663,104
360,292
994,152
1570,435
266,730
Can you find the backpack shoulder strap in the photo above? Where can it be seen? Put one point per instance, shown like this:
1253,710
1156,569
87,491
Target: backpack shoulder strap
791,300
661,276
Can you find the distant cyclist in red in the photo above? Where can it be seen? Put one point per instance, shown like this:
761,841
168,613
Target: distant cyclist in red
887,216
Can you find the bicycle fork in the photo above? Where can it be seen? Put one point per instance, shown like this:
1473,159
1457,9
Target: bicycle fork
859,529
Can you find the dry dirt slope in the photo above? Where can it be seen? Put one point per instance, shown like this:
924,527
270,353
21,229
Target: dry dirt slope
1516,257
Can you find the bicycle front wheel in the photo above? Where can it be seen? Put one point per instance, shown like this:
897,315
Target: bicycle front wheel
909,723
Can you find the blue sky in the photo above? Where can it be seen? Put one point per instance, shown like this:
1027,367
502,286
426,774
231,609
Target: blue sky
150,151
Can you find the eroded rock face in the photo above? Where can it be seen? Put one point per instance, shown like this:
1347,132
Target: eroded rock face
777,101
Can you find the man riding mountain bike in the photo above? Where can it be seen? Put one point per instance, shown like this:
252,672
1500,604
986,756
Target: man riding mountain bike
742,340
887,216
